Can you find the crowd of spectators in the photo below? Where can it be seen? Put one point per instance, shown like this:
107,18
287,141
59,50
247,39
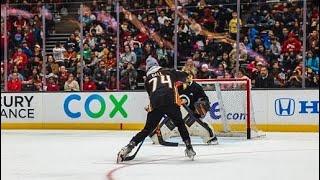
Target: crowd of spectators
270,51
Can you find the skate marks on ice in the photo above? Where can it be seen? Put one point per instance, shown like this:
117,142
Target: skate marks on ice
209,159
91,155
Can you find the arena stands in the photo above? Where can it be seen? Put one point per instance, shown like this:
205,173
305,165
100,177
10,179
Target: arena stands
271,43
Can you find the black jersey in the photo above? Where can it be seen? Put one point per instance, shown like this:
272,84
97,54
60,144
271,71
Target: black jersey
160,85
192,94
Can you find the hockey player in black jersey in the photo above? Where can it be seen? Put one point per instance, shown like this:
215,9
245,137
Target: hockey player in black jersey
197,104
164,100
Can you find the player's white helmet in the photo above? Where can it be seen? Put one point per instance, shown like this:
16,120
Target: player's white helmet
150,62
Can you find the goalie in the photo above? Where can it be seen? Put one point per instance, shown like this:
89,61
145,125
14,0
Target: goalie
196,103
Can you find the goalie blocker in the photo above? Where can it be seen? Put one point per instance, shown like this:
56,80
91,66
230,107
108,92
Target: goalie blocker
197,104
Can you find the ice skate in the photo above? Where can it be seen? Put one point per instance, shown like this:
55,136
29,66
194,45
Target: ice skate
190,153
189,150
123,153
213,141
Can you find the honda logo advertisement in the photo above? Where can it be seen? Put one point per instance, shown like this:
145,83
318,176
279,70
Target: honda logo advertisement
289,107
284,107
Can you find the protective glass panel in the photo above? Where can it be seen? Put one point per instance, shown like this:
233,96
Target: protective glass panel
272,36
312,45
25,43
204,42
146,29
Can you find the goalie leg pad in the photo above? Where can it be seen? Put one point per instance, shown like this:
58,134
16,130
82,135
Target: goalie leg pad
200,128
167,129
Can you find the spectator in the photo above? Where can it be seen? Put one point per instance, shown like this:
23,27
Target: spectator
295,81
58,53
20,23
35,80
20,59
312,79
313,38
26,50
100,76
63,76
29,37
264,80
220,72
139,52
207,20
241,74
162,18
72,42
71,84
52,65
112,83
166,31
88,84
292,44
37,58
103,54
86,53
312,62
16,70
275,47
52,84
204,72
129,77
233,55
70,57
90,40
128,56
233,25
111,61
224,60
189,66
96,26
162,56
130,42
77,36
278,74
14,84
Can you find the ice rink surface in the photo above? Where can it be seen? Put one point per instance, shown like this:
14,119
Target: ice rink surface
91,155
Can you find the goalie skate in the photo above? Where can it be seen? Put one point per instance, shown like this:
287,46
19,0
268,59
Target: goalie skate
213,141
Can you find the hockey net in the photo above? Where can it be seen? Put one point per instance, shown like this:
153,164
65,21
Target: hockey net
231,109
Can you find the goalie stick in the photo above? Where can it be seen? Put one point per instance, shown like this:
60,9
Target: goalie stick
161,140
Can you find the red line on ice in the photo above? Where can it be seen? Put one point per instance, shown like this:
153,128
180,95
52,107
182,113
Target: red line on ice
112,171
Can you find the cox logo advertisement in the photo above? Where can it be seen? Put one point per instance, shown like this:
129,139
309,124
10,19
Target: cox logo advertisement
95,106
215,113
289,107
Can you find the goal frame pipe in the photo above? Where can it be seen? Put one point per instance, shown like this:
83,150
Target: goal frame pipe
248,94
248,109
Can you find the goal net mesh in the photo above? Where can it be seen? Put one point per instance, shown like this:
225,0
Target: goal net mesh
231,111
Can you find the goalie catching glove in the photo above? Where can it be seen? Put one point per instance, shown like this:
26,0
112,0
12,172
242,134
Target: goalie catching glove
202,106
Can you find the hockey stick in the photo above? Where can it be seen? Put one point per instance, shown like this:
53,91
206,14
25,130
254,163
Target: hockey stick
128,158
166,143
161,140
